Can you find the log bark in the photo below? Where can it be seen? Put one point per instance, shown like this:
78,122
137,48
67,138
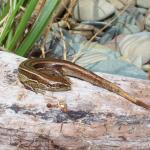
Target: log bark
95,118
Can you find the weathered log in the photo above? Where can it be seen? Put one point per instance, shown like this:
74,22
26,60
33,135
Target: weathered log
95,118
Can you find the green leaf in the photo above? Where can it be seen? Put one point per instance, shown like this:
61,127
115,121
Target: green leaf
38,27
9,38
23,23
9,22
4,10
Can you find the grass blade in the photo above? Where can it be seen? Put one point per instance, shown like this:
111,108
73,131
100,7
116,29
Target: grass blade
9,22
38,27
4,10
21,27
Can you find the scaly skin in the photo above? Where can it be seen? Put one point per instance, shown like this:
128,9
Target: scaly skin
50,74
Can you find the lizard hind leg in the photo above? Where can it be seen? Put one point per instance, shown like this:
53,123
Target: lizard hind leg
30,84
33,86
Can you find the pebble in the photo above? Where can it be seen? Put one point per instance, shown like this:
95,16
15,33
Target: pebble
93,10
135,48
129,28
131,21
120,4
147,21
143,11
143,3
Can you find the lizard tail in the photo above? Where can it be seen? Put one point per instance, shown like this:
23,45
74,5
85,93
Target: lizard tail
133,99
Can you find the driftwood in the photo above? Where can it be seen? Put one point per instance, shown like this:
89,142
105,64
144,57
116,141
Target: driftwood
95,118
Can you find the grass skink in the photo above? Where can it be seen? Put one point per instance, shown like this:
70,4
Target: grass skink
50,74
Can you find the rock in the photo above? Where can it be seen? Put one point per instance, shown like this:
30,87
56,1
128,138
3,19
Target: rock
137,17
136,48
118,4
143,11
121,4
129,28
147,21
131,21
113,44
108,35
93,10
143,3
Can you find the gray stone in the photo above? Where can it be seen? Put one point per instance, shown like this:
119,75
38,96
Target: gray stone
93,10
117,4
143,11
143,3
147,21
135,48
120,4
